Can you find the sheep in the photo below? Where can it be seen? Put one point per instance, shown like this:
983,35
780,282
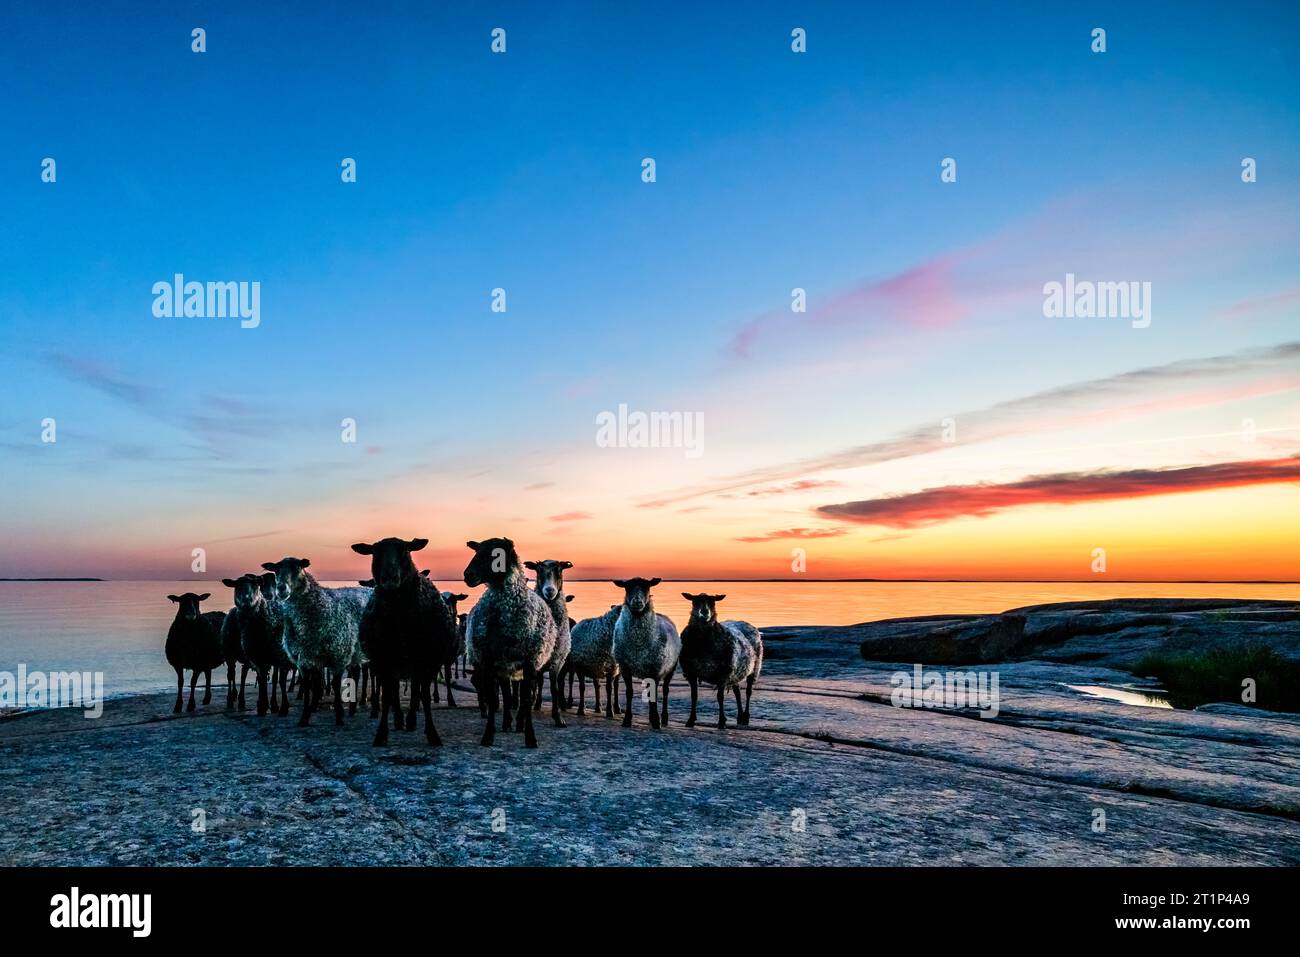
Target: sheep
457,649
511,631
320,629
726,654
233,654
407,631
194,642
592,656
646,645
550,585
260,627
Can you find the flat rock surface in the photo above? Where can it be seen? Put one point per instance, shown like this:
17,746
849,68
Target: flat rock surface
828,773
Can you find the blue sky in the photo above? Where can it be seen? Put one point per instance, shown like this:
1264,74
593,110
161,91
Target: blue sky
521,171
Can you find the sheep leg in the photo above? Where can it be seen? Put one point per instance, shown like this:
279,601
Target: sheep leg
435,685
487,686
336,686
507,705
582,695
627,711
305,718
395,693
654,705
417,689
180,690
275,679
261,694
663,717
386,695
613,679
207,686
230,685
430,732
749,693
530,675
374,693
695,696
447,670
722,705
194,680
284,691
243,681
557,695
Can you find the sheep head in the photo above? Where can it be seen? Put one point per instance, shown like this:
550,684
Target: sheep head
391,565
703,607
453,599
550,577
290,575
189,603
636,592
494,559
248,590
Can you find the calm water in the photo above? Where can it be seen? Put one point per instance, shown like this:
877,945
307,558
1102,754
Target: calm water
119,627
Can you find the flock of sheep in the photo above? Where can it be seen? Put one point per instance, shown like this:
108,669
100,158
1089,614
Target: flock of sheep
398,627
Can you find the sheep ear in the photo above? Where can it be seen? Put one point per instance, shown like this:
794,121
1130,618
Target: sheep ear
717,598
566,564
229,582
174,598
653,582
361,548
620,583
205,596
460,597
305,563
416,544
568,598
473,545
688,596
424,573
532,565
269,566
509,543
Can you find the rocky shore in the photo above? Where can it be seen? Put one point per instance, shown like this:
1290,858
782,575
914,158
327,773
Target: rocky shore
830,772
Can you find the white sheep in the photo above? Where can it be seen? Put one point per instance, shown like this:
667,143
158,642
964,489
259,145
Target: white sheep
591,655
511,633
646,645
320,629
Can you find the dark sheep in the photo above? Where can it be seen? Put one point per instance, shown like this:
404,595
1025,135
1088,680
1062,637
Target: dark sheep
194,643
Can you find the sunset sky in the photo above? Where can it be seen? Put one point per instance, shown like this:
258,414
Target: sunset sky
1175,448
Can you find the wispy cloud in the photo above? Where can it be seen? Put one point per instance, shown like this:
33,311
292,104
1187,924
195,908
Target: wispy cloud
571,517
795,533
943,504
1189,381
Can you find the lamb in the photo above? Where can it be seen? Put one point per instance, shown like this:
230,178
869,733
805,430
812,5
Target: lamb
320,629
261,627
457,649
194,642
592,656
511,632
406,632
550,585
646,645
726,654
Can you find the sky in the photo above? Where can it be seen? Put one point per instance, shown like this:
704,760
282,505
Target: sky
923,418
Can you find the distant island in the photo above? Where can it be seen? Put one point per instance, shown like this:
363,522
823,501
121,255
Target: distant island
52,579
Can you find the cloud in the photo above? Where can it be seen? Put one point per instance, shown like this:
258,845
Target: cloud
802,485
923,295
1054,409
571,517
537,485
1247,307
934,505
795,533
